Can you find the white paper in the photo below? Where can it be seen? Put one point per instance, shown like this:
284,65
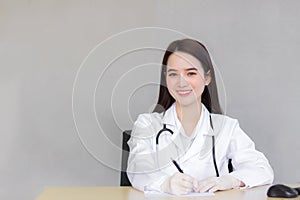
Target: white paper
192,194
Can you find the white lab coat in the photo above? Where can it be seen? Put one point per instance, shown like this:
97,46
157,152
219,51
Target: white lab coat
149,165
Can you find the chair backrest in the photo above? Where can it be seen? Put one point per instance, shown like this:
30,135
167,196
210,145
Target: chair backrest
230,167
124,178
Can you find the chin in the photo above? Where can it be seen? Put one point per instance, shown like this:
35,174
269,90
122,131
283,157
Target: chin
187,103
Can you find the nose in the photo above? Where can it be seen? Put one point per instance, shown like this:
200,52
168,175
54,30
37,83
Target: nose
182,81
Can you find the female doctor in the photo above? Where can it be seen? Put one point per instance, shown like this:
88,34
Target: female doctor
187,127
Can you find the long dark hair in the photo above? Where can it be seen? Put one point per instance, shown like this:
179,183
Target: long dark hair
210,94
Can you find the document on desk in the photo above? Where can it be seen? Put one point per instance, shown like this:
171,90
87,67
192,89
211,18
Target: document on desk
192,194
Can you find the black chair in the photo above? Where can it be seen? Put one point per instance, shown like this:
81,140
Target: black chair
230,167
124,178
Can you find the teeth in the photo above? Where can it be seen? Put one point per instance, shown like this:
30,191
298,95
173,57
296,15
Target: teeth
183,92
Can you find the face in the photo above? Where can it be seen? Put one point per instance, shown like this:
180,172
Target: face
185,78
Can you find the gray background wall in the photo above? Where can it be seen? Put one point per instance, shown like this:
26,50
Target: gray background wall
255,45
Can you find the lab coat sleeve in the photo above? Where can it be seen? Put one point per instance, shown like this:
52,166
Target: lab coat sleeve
250,165
141,169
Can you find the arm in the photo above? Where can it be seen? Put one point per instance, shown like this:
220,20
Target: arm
251,168
141,168
250,165
143,172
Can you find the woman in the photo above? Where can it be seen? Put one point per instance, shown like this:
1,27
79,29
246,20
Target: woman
202,140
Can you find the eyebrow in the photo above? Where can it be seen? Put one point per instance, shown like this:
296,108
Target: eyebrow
188,69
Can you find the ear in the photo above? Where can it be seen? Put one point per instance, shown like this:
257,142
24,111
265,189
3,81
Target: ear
207,78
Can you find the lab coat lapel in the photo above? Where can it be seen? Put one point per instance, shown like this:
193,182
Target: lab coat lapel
194,149
169,145
169,116
202,142
169,119
177,141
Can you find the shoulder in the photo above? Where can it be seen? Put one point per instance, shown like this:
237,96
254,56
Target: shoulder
224,122
147,119
147,124
224,119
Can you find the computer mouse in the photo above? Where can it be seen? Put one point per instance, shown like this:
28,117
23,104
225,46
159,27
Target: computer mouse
282,191
298,190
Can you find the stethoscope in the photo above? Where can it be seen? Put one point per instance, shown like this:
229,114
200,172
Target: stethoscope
213,142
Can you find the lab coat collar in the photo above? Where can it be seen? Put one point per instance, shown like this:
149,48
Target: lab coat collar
203,127
169,116
170,119
206,127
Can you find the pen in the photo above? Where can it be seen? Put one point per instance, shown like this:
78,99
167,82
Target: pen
177,166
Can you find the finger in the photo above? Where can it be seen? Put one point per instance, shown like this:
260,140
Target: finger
208,186
188,178
187,190
187,181
205,182
195,185
214,188
178,190
179,185
187,184
183,183
202,184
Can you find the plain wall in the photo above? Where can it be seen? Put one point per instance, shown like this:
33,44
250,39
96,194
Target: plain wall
74,74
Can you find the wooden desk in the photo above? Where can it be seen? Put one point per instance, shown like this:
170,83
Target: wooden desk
128,193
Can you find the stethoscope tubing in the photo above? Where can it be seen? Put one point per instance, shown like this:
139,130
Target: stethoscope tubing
213,142
161,131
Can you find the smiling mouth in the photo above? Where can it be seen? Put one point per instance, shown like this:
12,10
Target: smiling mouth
184,92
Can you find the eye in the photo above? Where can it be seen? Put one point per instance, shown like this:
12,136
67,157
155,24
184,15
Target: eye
172,74
192,73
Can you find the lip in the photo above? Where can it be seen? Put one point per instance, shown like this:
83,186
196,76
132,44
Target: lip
183,93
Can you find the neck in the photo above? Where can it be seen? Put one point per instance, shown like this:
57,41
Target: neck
189,114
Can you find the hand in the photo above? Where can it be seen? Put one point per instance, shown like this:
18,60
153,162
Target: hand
213,184
179,184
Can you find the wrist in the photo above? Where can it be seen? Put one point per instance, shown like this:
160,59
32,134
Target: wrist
242,184
164,187
234,182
